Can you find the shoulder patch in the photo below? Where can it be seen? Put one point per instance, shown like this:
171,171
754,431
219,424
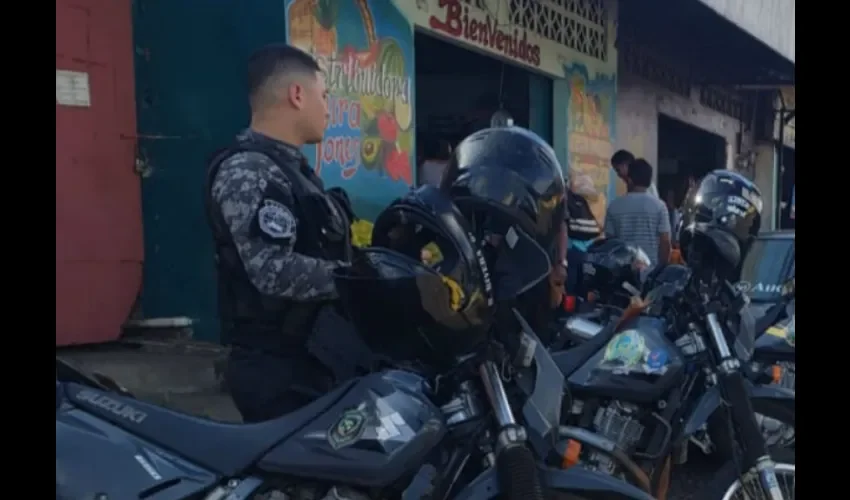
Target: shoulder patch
276,219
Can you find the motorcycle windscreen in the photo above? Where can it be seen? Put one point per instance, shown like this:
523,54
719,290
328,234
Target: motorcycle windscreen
516,260
520,264
768,265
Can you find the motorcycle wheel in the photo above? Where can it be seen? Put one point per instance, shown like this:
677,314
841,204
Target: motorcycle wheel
727,483
769,415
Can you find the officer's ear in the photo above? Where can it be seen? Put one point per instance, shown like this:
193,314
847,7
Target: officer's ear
295,94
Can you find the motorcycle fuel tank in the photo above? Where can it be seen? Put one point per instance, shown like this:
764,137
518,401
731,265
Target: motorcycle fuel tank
384,427
117,464
637,365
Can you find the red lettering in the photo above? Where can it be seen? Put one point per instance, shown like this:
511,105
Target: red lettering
456,22
338,106
354,115
451,24
473,30
343,151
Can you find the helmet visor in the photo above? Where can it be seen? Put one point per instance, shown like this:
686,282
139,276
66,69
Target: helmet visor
518,262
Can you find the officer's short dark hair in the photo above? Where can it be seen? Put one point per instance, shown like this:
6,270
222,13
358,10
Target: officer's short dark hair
622,156
640,173
272,61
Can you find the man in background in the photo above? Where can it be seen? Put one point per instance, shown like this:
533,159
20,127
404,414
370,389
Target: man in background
640,218
620,162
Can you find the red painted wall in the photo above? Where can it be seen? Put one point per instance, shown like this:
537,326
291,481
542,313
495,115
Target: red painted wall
98,207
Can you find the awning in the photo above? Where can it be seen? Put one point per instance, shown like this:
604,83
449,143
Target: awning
714,49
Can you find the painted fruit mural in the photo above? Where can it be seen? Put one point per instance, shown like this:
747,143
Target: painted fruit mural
366,51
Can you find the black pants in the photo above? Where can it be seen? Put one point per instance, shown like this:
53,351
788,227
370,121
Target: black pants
265,386
575,259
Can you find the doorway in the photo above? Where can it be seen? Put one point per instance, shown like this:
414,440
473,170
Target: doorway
787,192
458,90
685,154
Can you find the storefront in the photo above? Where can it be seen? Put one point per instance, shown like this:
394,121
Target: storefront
692,87
683,130
190,65
784,134
511,58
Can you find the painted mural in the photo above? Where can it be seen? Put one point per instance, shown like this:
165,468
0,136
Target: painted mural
590,130
366,50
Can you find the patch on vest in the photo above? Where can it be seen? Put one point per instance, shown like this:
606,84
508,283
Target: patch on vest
276,220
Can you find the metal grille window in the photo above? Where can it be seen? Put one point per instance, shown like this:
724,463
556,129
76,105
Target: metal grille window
724,102
581,25
654,69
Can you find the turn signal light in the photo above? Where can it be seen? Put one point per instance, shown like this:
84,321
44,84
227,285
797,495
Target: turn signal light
571,454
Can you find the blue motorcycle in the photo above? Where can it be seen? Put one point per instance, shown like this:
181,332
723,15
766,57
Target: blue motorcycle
472,433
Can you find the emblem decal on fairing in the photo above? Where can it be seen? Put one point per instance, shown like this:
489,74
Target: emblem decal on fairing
348,428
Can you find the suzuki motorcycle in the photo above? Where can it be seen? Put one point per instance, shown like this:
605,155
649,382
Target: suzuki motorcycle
650,381
394,434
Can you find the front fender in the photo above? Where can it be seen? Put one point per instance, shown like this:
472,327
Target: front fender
710,401
574,480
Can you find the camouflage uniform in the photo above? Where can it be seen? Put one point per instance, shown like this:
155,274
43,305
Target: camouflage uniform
266,244
267,274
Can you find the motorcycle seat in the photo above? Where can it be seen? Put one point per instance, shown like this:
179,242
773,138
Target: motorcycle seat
572,359
225,448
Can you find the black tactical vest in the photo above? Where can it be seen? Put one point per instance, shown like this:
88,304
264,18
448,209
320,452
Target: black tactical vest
253,320
581,224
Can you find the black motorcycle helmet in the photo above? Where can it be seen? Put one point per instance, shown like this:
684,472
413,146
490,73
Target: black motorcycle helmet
509,184
720,218
410,310
612,271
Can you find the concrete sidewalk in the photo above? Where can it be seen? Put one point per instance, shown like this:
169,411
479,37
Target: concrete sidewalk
182,375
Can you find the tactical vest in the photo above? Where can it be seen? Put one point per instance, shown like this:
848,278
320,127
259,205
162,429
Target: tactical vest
249,318
581,223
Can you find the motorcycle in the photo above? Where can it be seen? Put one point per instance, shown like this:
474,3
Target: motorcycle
651,380
394,434
774,359
773,362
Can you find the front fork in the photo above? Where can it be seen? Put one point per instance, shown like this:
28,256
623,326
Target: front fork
733,387
515,463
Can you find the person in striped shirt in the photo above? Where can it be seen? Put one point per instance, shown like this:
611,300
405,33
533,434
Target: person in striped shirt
620,163
639,218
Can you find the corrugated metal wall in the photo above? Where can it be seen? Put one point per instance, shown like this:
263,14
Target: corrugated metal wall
98,215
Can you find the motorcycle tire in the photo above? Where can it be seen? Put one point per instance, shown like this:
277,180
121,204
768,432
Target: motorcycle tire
729,473
718,426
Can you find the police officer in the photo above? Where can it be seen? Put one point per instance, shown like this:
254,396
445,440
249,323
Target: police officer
278,235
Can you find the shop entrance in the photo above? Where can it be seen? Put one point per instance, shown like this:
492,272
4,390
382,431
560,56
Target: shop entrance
685,154
457,92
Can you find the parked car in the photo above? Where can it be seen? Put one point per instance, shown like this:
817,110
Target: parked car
770,263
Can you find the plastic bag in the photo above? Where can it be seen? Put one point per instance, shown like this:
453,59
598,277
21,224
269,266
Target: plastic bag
582,184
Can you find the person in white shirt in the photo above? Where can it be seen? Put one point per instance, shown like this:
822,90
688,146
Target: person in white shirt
620,162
